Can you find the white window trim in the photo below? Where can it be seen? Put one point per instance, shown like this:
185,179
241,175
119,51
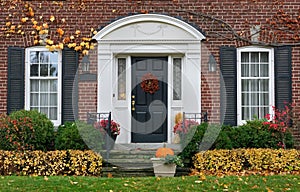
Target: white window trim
27,81
271,82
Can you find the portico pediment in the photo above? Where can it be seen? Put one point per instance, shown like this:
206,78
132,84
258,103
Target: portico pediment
149,27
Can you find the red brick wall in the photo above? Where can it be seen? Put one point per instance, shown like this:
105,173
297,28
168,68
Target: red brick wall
296,91
86,14
87,100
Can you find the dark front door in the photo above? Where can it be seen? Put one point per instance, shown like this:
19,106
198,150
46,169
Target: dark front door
149,109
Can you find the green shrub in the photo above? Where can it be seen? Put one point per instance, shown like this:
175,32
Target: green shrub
92,137
43,129
67,137
78,135
191,142
26,130
253,134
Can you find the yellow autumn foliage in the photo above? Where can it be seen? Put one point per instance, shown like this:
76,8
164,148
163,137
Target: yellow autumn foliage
39,163
236,160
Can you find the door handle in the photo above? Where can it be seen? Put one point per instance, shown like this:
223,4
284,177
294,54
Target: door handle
133,103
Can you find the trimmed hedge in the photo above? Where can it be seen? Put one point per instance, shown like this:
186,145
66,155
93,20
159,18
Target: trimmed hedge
237,160
39,163
253,134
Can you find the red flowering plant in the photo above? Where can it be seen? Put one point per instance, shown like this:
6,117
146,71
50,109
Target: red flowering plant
103,127
280,122
183,128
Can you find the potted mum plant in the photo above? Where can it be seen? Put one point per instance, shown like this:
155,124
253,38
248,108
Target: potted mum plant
109,133
165,162
182,128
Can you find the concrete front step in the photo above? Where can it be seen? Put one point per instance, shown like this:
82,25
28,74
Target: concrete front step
133,162
130,158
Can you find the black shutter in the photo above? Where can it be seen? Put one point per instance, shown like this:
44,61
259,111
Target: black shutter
283,76
15,79
228,92
69,85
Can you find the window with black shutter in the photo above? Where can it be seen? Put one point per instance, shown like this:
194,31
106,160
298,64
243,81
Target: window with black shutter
45,81
248,79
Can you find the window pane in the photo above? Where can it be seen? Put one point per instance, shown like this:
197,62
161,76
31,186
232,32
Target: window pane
245,99
43,70
34,85
44,57
44,99
44,110
254,70
254,57
53,113
53,85
245,57
121,79
177,71
254,86
264,99
245,84
254,112
34,70
53,57
53,99
53,70
44,85
245,70
34,99
264,70
245,113
254,99
263,112
34,57
264,57
264,85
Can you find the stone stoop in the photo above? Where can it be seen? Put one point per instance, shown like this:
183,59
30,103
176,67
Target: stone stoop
131,163
128,163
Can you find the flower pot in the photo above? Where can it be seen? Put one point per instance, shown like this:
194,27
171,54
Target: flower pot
109,142
161,169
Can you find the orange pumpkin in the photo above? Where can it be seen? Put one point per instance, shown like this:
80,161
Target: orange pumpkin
163,152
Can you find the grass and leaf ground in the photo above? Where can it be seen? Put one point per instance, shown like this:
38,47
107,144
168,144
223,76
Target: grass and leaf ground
188,183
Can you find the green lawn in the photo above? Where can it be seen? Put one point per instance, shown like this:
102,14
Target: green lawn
209,183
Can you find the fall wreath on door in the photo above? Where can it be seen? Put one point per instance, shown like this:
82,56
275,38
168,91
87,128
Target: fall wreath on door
149,83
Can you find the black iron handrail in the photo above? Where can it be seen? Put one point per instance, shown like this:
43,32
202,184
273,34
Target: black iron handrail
196,117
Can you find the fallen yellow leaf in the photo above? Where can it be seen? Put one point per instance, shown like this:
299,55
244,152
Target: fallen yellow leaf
269,190
254,187
109,175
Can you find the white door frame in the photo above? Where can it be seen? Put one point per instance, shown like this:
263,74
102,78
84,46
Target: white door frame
148,35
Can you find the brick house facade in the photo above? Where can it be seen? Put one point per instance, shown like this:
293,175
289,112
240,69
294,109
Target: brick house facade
220,87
